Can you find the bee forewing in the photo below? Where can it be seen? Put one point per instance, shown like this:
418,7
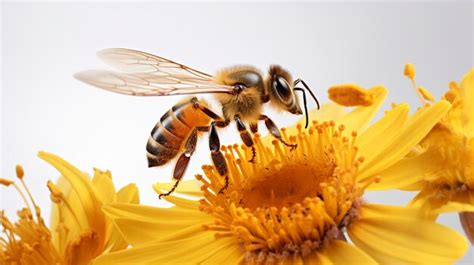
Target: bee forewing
133,61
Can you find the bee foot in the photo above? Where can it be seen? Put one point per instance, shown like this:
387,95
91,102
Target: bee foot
226,185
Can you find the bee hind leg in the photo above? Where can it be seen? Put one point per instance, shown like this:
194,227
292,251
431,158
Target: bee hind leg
273,129
245,136
189,148
184,158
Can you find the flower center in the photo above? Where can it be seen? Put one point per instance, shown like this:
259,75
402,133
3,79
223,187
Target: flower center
291,184
288,202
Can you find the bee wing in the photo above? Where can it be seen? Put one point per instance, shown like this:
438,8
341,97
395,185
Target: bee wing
132,61
150,84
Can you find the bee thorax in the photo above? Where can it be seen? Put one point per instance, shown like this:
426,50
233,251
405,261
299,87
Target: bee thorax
247,105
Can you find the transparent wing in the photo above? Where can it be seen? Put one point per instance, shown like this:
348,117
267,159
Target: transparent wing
150,84
132,61
149,75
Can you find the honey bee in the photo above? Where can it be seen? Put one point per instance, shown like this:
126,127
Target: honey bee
241,90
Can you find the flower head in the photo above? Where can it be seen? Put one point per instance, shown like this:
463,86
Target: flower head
297,206
447,152
79,230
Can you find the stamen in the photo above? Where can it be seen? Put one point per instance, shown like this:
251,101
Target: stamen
426,94
20,173
287,202
57,195
409,72
6,182
22,195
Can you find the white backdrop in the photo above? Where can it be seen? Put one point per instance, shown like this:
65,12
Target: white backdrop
44,44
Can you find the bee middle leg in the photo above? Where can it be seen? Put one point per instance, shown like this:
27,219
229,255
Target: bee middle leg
273,129
190,147
245,136
216,154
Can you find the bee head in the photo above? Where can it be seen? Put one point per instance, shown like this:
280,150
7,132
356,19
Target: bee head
282,92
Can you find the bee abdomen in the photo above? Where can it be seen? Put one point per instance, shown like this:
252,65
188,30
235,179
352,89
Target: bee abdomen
158,154
162,145
169,134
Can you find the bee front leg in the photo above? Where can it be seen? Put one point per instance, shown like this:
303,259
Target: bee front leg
217,157
273,129
245,136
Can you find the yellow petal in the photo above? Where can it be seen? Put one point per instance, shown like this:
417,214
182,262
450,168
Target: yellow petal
397,235
467,94
84,190
382,133
317,258
353,121
454,206
414,186
137,232
231,254
68,219
102,183
190,250
327,112
183,202
138,224
412,133
128,194
188,187
456,201
340,252
82,250
407,172
350,95
362,115
115,240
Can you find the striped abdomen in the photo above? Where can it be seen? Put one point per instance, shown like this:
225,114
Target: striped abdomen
170,133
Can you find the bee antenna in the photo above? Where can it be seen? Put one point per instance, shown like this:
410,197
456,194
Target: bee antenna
304,104
307,88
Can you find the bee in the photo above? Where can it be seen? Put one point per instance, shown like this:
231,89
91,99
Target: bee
241,91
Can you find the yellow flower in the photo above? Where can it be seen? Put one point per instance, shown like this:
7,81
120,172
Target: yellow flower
297,206
447,182
79,229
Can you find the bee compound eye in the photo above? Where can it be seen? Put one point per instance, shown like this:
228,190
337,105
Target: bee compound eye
282,88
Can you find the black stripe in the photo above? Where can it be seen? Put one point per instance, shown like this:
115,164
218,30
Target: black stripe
165,138
178,112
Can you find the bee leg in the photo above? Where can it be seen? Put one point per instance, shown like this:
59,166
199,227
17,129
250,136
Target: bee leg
208,112
217,157
245,136
183,160
273,129
254,127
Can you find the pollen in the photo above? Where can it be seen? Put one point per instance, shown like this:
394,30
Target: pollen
426,94
409,71
350,95
6,182
19,171
422,93
287,202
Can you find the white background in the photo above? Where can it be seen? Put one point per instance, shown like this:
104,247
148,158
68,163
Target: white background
44,44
